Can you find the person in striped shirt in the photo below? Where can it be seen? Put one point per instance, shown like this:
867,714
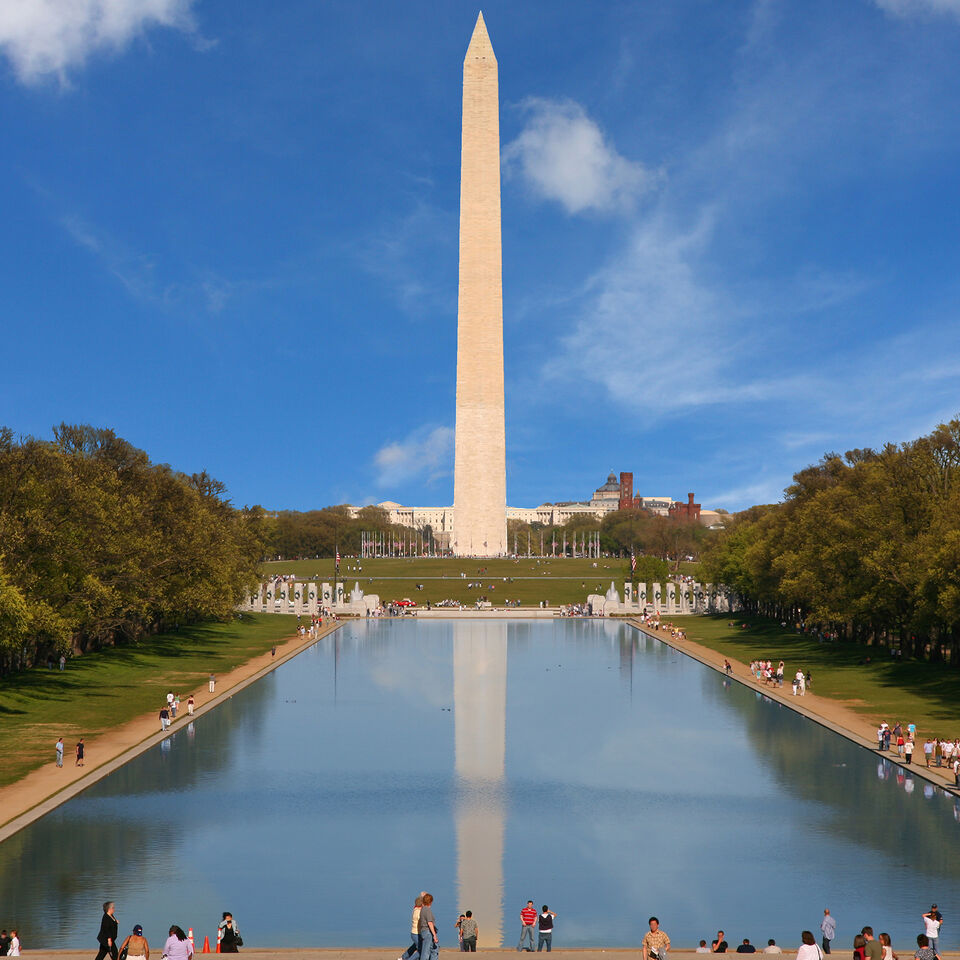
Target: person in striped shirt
528,917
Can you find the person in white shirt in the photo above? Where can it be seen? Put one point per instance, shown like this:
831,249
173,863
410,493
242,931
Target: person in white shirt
931,923
703,948
808,950
14,949
772,947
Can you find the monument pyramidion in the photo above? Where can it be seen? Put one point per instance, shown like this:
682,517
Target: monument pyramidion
480,472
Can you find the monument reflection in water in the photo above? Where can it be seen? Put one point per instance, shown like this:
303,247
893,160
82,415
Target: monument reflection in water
576,762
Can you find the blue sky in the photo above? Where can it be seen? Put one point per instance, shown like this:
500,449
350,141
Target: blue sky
731,237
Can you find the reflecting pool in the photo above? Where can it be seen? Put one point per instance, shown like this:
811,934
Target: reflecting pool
577,763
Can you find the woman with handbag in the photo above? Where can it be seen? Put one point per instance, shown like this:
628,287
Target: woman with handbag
230,939
135,947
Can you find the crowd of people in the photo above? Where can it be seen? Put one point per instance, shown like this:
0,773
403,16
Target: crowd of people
937,751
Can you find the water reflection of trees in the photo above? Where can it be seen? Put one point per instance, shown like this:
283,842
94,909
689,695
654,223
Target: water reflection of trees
56,872
859,798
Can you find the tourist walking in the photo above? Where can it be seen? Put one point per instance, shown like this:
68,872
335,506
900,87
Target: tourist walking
414,931
229,935
545,929
655,943
136,945
808,949
60,752
213,683
63,662
190,704
107,937
80,752
177,947
528,917
828,927
908,751
469,932
932,921
429,938
164,718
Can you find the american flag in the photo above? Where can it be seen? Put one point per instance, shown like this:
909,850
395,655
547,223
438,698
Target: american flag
633,563
338,558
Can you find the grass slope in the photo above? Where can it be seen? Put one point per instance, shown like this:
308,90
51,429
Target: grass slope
101,690
883,689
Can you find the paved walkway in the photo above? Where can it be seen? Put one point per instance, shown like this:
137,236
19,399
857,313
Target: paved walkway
390,953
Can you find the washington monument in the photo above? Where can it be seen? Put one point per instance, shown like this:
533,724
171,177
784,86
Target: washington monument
480,471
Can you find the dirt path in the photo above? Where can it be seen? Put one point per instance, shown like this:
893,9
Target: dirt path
834,714
47,787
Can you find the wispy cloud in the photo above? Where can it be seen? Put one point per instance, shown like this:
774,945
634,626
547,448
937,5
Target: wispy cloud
139,273
48,38
920,8
425,454
408,254
562,154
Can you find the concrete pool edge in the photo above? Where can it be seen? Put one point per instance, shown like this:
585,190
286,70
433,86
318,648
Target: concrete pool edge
704,655
113,762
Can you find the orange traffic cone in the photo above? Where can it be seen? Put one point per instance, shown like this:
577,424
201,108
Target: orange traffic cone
190,938
206,945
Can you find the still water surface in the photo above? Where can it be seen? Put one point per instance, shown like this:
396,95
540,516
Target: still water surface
580,764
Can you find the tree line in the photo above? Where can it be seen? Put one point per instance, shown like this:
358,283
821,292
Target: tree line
865,546
98,545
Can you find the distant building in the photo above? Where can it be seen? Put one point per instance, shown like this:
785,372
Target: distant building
608,498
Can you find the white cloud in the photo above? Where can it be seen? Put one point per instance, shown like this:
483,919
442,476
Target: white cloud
563,155
44,38
919,8
427,450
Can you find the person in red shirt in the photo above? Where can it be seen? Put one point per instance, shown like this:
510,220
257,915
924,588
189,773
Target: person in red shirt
528,918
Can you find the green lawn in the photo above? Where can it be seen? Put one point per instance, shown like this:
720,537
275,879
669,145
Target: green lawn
883,689
101,690
556,581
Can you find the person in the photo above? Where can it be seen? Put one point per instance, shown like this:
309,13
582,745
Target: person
545,929
13,950
429,938
63,662
932,921
908,751
469,931
230,939
528,917
273,650
720,944
872,946
459,926
655,943
828,927
746,946
808,949
885,943
213,683
772,947
164,718
60,752
703,948
928,750
4,942
924,950
414,931
727,668
859,947
190,704
80,752
107,937
177,947
136,945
